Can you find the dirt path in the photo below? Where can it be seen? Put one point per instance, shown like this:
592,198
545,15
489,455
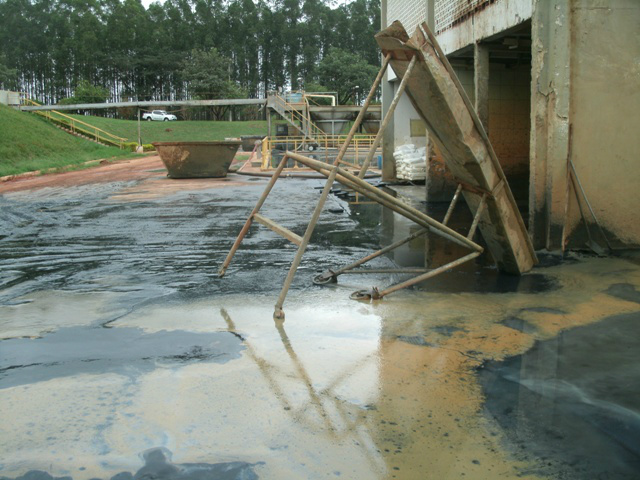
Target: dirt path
134,169
141,169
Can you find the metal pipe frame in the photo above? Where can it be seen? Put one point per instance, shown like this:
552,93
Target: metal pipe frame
375,294
331,276
335,173
388,116
476,217
249,221
278,313
452,205
430,274
357,183
389,201
363,111
364,271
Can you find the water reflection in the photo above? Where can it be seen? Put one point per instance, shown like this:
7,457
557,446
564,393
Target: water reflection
431,251
338,423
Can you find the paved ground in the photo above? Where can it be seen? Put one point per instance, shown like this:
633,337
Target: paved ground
122,351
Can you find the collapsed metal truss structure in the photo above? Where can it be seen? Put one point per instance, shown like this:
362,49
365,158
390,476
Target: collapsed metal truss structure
479,175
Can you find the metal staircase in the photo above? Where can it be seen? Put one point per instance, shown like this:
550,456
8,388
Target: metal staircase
77,127
296,114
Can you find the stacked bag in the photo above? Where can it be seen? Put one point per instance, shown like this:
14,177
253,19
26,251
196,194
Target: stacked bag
411,164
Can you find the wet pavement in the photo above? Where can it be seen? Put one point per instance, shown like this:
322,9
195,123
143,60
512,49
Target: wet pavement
124,355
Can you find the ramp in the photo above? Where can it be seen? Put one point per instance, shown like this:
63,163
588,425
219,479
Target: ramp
453,124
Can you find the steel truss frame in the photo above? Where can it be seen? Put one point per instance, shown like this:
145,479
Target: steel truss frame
333,172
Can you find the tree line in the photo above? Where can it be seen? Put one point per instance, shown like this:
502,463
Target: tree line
183,49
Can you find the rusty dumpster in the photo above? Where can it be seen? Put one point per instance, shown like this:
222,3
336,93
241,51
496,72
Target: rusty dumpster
197,159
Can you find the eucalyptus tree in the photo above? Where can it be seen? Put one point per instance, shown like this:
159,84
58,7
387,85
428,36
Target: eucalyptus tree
243,45
346,73
206,73
7,75
49,46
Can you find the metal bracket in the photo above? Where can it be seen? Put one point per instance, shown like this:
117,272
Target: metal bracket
366,295
328,276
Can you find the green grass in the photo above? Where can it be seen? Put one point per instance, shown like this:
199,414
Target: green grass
176,131
29,143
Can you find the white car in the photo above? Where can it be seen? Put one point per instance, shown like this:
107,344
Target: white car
159,116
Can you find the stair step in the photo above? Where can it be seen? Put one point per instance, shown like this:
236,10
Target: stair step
70,131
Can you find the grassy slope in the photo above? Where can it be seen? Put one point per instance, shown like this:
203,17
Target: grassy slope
176,131
28,142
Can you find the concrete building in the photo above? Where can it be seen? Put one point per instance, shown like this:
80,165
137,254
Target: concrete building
9,98
552,81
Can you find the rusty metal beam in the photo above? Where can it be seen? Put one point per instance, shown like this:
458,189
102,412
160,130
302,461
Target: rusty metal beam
279,229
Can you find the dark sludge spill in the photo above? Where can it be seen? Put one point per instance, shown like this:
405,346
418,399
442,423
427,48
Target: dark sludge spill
488,280
447,330
174,245
624,291
517,323
572,404
123,350
158,466
170,245
415,340
479,277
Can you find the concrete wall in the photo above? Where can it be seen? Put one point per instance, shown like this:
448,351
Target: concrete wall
9,98
605,113
509,129
493,18
585,106
404,114
509,116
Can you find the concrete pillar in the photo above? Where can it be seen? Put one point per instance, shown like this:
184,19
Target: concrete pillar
431,15
388,163
388,137
550,100
481,82
431,23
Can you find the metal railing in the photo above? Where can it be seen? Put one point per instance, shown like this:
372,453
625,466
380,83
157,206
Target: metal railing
324,149
292,113
77,126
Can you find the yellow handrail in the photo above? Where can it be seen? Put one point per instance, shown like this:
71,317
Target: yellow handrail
305,121
98,133
323,149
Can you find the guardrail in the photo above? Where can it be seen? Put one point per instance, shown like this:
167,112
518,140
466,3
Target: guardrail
324,149
77,126
291,112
